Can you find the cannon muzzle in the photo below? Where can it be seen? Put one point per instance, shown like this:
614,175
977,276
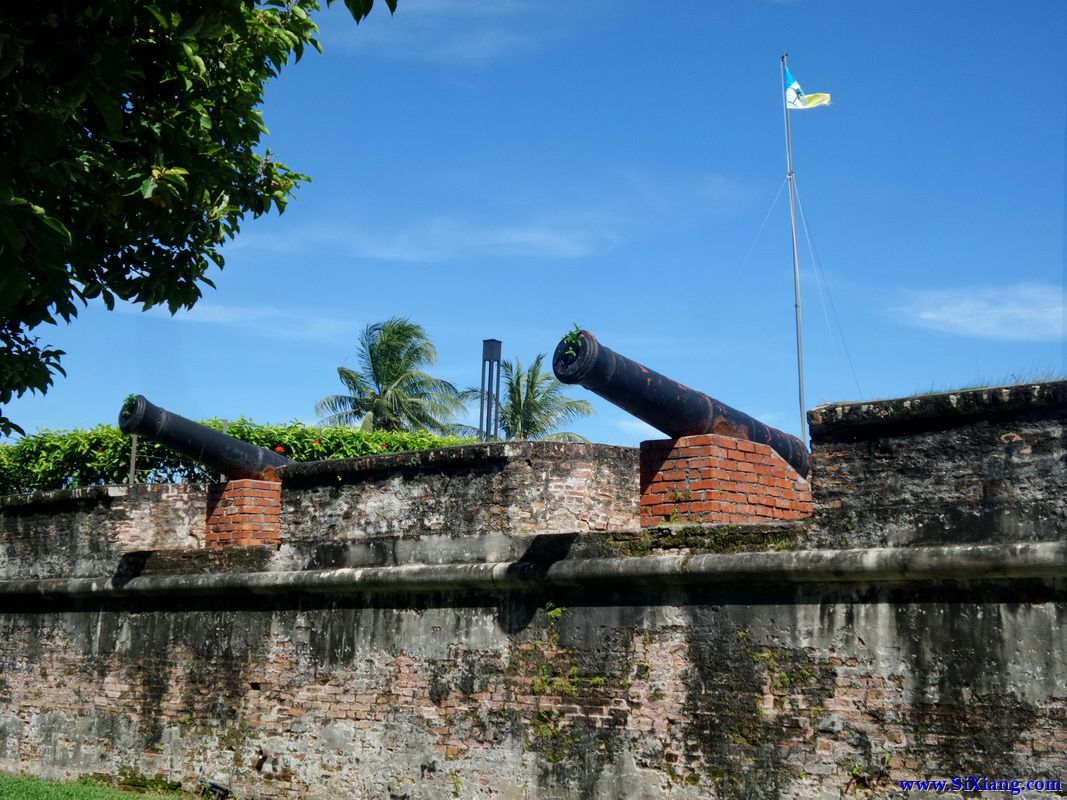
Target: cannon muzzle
663,403
214,449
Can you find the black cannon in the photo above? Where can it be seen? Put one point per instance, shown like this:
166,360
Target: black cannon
663,403
214,449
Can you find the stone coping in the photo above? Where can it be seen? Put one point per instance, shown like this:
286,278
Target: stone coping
90,494
439,458
946,409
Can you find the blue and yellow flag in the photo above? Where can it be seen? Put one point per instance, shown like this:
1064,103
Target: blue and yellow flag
795,98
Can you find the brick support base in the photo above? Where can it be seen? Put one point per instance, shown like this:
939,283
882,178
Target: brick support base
712,478
244,512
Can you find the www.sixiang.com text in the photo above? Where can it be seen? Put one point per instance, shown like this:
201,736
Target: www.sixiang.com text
975,783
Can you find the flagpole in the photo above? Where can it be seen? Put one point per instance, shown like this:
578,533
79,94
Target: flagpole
796,255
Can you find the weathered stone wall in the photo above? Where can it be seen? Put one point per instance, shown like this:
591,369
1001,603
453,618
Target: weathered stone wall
513,487
985,465
722,692
430,627
468,494
87,531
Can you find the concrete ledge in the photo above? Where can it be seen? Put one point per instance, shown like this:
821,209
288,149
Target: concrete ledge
946,409
969,563
88,495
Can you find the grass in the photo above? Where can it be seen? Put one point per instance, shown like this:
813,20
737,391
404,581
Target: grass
1015,379
14,787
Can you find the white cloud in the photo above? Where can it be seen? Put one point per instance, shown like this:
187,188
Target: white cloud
1024,312
267,321
443,239
452,31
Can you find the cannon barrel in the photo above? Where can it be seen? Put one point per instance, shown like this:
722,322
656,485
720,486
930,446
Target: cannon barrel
663,403
212,448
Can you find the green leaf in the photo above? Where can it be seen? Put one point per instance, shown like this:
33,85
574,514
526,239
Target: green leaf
108,109
14,238
148,188
359,8
57,226
161,20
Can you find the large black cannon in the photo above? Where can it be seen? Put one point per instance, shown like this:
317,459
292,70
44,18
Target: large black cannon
212,448
663,403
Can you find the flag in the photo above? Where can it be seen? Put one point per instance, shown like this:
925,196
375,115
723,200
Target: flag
796,98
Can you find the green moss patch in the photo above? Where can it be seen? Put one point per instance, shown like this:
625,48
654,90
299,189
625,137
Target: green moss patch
694,539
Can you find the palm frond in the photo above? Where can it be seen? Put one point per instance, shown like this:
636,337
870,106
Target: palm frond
338,409
391,392
356,383
564,436
534,404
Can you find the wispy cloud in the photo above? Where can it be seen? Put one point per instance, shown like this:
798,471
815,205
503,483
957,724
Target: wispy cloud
1024,312
678,194
267,321
587,217
453,31
443,239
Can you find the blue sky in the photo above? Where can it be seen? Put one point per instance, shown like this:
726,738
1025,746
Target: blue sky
506,169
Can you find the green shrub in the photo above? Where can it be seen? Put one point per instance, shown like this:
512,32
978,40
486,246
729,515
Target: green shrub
101,455
14,787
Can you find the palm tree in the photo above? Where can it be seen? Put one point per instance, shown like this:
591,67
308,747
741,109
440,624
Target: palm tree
534,404
391,392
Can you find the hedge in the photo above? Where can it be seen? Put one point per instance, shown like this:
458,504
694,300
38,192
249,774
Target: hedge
101,455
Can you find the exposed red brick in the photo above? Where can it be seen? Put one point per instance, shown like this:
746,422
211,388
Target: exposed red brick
242,512
713,478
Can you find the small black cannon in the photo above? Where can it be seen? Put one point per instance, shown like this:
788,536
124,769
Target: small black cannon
214,449
663,403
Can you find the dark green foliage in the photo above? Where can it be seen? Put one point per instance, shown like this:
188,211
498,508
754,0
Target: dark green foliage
64,459
131,136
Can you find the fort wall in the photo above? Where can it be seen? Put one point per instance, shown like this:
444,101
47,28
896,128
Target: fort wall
493,622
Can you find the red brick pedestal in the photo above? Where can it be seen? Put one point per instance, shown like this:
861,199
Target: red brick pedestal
712,478
244,512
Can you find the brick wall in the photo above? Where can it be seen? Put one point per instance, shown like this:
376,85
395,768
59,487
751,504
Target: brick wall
732,694
244,512
717,479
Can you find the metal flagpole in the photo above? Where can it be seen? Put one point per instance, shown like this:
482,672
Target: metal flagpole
796,254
